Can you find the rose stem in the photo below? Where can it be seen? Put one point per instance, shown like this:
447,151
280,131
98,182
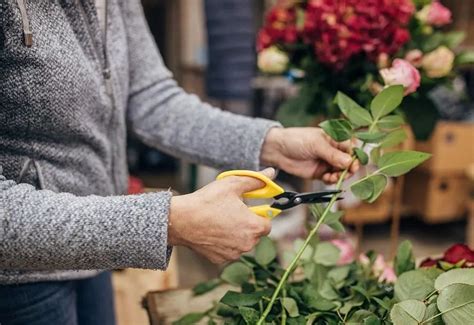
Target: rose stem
295,260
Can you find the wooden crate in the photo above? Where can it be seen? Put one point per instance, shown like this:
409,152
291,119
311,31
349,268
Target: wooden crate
166,306
452,147
437,198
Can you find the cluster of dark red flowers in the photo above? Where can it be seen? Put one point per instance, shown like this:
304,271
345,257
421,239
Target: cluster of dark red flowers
458,253
340,29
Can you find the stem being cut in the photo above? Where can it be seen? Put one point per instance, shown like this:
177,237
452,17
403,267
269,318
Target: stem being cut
312,233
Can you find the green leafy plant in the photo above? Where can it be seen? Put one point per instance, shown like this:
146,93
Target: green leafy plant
313,288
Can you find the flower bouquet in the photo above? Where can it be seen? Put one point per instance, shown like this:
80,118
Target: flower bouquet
360,47
321,284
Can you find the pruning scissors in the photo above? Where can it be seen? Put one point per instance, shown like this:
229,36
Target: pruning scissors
283,200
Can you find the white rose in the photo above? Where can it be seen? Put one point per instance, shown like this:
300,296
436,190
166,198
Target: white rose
272,60
438,63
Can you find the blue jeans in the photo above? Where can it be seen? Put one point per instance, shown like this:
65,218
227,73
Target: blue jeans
77,302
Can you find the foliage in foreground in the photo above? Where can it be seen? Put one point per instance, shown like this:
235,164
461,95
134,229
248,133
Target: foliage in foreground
313,289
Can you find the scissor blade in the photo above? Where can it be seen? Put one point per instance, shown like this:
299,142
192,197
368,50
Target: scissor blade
294,199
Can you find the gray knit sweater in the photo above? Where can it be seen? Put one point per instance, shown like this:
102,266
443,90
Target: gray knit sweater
65,107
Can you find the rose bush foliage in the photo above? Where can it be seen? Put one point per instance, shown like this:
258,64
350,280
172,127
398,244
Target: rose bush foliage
323,282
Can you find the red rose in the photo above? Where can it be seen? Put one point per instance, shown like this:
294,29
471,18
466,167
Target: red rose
457,253
135,185
429,262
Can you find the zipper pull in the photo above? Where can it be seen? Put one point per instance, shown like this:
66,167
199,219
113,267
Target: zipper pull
27,34
28,38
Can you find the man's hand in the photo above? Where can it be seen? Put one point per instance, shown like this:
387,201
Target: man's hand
215,222
307,153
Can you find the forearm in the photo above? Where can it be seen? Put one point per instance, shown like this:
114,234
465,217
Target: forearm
167,118
42,230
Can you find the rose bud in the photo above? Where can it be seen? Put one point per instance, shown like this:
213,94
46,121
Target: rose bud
414,57
429,262
435,14
388,275
438,63
402,73
457,253
347,251
272,60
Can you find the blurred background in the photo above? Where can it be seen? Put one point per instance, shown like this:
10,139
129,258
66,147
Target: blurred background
209,45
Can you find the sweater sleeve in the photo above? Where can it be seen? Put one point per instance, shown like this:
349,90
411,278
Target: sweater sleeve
162,115
43,230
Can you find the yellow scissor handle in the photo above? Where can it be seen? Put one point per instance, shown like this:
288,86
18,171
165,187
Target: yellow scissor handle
270,190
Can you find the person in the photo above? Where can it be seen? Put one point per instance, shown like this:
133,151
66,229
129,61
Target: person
73,81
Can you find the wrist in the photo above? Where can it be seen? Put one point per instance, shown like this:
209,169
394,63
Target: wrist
272,148
175,220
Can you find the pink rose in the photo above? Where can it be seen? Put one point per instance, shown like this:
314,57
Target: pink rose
347,251
379,265
388,275
435,14
402,73
414,57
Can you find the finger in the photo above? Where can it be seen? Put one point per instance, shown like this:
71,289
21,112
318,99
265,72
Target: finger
246,184
335,157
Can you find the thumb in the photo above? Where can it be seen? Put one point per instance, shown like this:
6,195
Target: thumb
334,156
247,184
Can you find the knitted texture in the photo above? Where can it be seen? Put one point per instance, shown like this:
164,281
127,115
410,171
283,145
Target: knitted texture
57,109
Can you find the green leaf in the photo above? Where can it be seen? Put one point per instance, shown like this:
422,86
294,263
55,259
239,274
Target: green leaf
463,276
265,252
359,317
339,130
237,299
375,155
190,319
465,58
339,274
454,39
408,312
333,216
312,317
394,138
416,284
249,315
353,111
326,254
370,188
236,273
372,320
290,306
370,137
398,163
386,101
202,288
390,122
431,311
456,302
348,305
308,251
362,156
314,300
211,322
404,260
227,311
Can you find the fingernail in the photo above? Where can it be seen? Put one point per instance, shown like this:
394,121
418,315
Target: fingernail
346,160
270,172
